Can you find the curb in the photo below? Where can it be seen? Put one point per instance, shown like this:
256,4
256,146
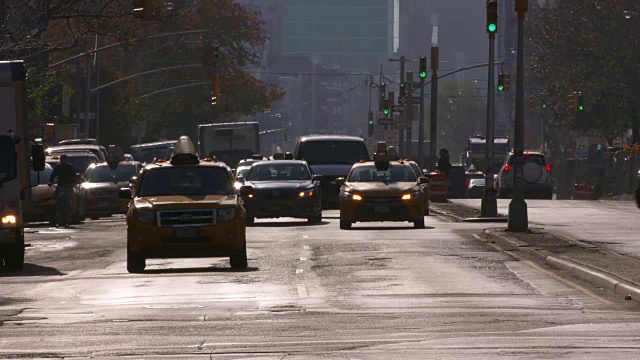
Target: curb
610,282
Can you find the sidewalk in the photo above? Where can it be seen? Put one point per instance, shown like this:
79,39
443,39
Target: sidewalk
589,261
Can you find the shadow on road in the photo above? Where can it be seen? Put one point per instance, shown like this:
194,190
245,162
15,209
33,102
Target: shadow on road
199,270
389,228
31,270
287,224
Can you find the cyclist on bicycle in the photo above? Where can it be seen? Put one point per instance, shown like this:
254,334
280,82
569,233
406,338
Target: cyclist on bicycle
66,174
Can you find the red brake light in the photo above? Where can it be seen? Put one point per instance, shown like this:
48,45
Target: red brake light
527,154
466,184
506,167
548,167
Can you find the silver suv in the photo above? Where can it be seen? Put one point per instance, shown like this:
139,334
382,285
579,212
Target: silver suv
536,174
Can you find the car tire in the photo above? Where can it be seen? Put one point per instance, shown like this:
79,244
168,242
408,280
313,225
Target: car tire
238,260
419,224
14,255
345,225
251,220
135,262
316,219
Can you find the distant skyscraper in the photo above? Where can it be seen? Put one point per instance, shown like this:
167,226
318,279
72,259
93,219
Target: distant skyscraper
350,34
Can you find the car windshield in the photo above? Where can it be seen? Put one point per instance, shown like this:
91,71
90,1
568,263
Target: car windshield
242,172
107,173
369,173
279,172
333,152
82,163
191,180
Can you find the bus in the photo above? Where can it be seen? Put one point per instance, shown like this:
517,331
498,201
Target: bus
148,152
229,142
477,149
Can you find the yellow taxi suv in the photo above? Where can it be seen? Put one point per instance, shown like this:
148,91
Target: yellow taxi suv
382,190
185,208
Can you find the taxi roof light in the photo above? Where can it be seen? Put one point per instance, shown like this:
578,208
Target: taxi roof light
184,153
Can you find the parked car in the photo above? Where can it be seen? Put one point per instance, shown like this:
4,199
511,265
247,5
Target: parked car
536,175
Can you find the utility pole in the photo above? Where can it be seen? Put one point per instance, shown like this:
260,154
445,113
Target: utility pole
409,112
433,131
403,115
518,217
489,204
422,68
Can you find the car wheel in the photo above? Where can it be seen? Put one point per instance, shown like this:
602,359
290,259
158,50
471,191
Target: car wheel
14,255
316,219
345,225
238,260
135,262
419,224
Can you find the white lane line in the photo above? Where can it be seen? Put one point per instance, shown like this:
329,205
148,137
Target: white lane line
477,237
299,271
307,247
302,291
305,236
303,258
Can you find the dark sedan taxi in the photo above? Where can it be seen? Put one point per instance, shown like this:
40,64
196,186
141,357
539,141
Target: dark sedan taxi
282,188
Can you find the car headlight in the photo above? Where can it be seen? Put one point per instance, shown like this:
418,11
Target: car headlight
413,195
9,220
356,197
145,216
226,214
306,193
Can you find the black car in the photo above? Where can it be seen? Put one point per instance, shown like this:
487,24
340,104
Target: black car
285,188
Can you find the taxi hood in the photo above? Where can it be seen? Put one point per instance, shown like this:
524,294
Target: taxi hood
185,201
380,188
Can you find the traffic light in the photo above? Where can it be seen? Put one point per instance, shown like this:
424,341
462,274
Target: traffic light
383,91
370,124
143,9
544,105
492,16
580,102
423,67
403,91
501,78
215,91
210,54
386,110
573,101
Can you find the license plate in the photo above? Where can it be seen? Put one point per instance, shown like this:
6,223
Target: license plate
381,209
186,233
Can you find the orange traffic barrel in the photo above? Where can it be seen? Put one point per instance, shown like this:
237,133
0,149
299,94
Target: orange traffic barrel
438,187
583,192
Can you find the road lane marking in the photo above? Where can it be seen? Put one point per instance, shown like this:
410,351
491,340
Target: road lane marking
299,271
302,291
303,258
305,236
477,237
554,275
307,247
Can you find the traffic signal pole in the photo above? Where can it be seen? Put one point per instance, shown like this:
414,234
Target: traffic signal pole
489,204
518,217
433,123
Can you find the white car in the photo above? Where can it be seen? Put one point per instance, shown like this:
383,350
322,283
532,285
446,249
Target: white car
536,173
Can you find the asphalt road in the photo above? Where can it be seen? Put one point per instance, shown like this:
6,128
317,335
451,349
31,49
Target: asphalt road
379,291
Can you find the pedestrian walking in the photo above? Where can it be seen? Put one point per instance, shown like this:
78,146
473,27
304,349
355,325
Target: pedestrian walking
67,178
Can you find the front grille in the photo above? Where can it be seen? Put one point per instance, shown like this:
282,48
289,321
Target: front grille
177,218
278,195
104,192
396,208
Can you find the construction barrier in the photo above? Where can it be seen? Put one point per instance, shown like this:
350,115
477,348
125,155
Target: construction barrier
583,192
438,187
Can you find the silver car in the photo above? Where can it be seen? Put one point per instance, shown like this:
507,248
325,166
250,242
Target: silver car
536,174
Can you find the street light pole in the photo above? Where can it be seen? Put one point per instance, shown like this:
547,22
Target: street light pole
489,204
518,217
433,123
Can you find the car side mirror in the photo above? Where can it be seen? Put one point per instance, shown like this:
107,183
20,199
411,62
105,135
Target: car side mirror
340,181
38,157
245,190
133,179
317,177
125,193
423,180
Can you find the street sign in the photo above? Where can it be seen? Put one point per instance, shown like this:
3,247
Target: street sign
415,100
582,147
385,121
392,137
415,85
397,108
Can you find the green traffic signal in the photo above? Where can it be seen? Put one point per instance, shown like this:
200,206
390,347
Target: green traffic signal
580,107
492,28
423,74
544,106
370,122
386,111
500,87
